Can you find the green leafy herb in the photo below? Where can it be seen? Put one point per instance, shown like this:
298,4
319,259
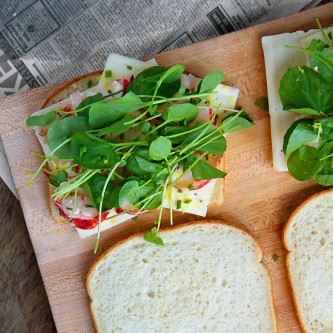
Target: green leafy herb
166,81
275,257
179,112
304,162
89,84
129,67
91,153
152,237
108,73
64,129
160,148
42,120
84,106
300,133
210,81
104,113
262,103
304,90
58,177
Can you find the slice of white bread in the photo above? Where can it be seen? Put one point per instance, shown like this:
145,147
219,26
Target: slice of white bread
206,278
308,236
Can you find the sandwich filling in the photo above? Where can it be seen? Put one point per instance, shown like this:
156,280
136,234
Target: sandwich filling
146,137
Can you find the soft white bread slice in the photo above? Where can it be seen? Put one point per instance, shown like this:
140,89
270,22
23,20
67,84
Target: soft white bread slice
206,278
308,236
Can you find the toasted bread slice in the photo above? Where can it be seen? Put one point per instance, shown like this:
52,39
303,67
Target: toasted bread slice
208,277
308,236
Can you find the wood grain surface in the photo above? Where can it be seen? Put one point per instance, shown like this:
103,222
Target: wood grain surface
256,197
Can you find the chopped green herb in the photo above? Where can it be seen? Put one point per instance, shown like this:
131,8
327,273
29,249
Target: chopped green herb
88,206
129,67
179,204
262,103
187,201
108,73
180,191
89,84
275,257
190,187
69,208
134,218
31,28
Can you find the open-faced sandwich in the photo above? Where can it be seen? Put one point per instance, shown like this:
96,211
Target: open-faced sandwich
299,71
146,137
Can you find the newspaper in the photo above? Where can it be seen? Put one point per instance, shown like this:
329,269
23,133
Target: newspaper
46,41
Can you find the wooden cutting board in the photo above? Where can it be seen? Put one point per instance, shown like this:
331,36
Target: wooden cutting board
256,197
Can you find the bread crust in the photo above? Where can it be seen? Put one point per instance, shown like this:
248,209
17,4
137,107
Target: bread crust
172,228
69,87
284,242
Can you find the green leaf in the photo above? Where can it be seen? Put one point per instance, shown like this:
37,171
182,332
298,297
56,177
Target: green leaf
145,82
324,176
262,103
155,202
104,113
210,81
94,188
57,178
160,148
233,123
325,127
304,163
63,129
88,101
144,127
303,88
92,153
215,147
180,112
133,166
134,192
321,58
299,133
140,166
42,120
152,237
197,130
203,170
117,127
275,257
306,111
171,130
